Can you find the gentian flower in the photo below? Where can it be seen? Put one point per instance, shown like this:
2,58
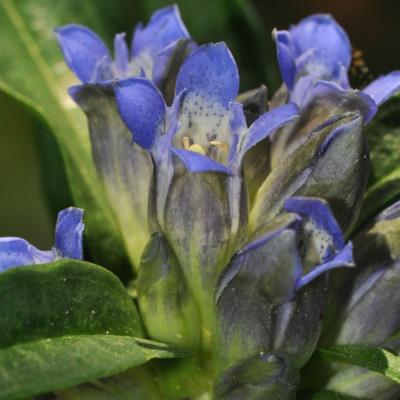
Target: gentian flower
156,51
366,312
235,215
319,47
15,252
200,220
151,49
314,58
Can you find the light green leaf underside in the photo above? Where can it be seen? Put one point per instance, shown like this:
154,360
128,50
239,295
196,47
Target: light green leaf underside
371,358
46,365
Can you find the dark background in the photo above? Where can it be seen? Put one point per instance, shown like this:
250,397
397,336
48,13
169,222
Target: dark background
373,27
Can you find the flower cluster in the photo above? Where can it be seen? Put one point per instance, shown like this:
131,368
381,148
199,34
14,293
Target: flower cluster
235,209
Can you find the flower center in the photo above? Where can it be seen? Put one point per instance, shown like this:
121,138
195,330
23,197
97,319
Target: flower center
214,148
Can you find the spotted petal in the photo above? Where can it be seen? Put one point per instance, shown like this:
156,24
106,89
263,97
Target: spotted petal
343,259
316,212
211,74
84,52
210,77
142,108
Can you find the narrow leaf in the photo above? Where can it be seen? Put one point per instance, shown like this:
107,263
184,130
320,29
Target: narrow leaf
371,358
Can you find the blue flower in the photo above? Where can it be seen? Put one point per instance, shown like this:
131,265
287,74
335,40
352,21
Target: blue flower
205,127
316,46
16,252
273,276
151,49
317,51
125,169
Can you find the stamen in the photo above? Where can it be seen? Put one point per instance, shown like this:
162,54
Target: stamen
221,150
221,145
197,149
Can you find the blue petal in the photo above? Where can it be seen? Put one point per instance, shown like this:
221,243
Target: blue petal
69,232
317,211
343,259
15,252
321,35
269,122
196,162
384,87
210,72
237,127
142,108
390,213
84,52
307,90
121,54
286,57
165,27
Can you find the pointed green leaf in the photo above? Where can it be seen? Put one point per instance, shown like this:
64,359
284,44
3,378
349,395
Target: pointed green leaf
46,365
66,323
371,358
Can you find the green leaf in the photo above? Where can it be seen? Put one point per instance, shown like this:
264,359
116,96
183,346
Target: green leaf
136,383
371,358
329,395
379,196
383,135
65,323
63,298
46,365
32,71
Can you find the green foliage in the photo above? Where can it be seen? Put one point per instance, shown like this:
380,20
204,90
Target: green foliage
66,323
371,358
383,135
49,364
329,395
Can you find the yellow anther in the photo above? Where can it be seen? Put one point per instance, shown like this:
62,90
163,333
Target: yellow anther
221,145
197,149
